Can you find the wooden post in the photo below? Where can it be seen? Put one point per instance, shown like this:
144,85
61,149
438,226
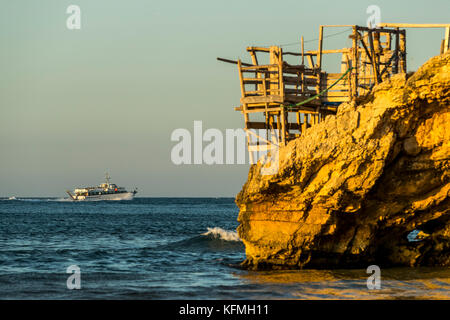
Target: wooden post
354,82
303,52
374,58
304,124
283,127
388,41
279,125
310,61
447,39
403,51
280,73
257,74
397,47
319,53
244,111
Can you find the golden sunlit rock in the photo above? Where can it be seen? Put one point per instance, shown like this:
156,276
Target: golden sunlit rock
351,188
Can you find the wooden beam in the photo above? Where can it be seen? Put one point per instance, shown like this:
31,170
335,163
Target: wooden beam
261,49
397,48
376,71
344,50
233,62
447,39
262,99
319,51
371,56
402,44
414,25
299,54
303,52
354,74
274,108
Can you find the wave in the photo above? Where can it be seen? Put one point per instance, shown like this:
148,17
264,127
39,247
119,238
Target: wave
223,234
212,240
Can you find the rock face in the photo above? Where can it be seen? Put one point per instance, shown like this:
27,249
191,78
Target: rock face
350,189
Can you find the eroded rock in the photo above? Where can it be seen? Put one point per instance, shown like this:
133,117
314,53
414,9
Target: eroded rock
351,188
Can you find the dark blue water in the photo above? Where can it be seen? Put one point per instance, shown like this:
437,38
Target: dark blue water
163,248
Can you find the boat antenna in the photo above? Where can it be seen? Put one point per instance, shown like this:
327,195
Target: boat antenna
107,177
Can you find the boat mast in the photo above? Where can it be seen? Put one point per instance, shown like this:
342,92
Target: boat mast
107,178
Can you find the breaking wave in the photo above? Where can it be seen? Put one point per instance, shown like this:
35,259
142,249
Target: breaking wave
223,234
214,239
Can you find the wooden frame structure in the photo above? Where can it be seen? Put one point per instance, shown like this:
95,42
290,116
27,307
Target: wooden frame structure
293,97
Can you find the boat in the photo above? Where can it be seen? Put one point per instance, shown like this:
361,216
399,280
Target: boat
104,191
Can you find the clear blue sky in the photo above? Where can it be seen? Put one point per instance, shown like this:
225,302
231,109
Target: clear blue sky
74,104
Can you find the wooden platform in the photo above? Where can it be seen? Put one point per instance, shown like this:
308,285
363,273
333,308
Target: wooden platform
289,98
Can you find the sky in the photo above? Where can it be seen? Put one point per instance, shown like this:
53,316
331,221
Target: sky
107,97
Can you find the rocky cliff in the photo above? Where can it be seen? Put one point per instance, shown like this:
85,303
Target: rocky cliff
350,189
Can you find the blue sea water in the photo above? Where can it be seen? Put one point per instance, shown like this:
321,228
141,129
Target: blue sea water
165,248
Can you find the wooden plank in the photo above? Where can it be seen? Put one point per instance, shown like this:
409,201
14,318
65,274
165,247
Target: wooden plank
299,54
344,50
261,49
257,80
299,81
366,29
254,68
262,99
297,99
414,25
261,108
262,92
299,91
262,125
288,70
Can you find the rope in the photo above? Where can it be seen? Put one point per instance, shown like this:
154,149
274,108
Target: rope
311,40
289,107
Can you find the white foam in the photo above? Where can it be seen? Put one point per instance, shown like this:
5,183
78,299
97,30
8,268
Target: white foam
222,234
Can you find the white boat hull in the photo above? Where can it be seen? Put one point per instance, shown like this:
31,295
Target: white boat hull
103,197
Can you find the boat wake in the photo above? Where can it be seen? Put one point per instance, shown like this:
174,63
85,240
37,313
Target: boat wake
37,199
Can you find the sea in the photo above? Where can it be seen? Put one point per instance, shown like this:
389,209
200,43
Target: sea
165,248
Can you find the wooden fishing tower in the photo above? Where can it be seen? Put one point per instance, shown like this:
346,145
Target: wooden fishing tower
293,97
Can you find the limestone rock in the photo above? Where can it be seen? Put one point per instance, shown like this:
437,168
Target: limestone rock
351,188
